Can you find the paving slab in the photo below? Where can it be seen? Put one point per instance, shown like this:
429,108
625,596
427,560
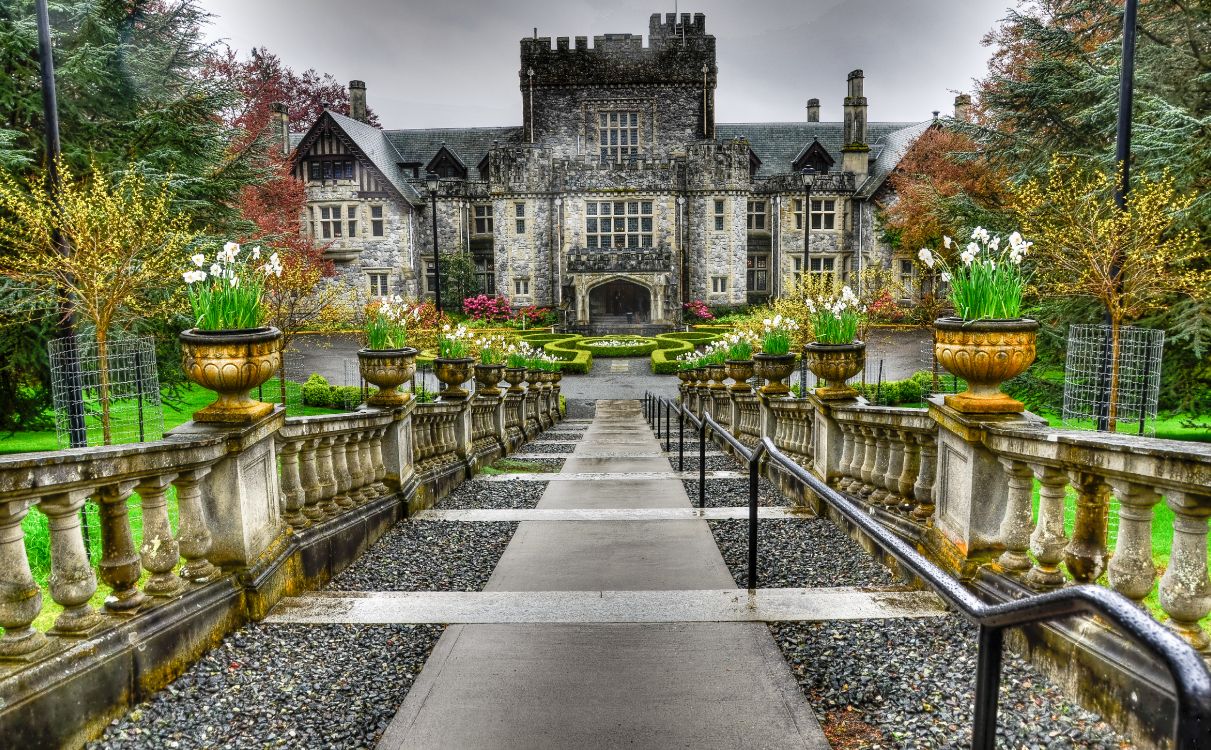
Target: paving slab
577,464
615,493
547,476
581,513
515,607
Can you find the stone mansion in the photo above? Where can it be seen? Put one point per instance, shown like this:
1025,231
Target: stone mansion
619,192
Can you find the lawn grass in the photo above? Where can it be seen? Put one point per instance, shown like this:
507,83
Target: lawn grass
178,409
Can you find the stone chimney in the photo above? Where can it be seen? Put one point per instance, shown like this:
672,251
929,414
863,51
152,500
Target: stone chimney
963,107
357,100
280,122
813,110
855,152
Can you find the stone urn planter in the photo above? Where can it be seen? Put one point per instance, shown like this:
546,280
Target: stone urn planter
556,377
834,364
774,368
515,376
453,373
717,374
231,363
486,378
387,370
684,376
740,370
985,353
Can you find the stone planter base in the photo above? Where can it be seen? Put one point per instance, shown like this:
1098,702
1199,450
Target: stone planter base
453,373
387,370
740,370
774,368
232,363
835,364
985,353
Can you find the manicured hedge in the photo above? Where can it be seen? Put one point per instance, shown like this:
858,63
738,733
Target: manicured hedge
670,346
647,346
317,392
563,347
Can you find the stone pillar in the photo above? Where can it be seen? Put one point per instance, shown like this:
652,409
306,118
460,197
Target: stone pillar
397,448
828,442
971,489
464,432
244,499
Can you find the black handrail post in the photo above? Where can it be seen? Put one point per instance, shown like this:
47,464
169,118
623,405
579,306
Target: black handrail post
753,463
667,445
681,438
702,463
988,688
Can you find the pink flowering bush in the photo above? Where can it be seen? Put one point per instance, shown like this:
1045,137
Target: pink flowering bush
696,309
491,309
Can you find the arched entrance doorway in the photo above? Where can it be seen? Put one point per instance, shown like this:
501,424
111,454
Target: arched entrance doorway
620,301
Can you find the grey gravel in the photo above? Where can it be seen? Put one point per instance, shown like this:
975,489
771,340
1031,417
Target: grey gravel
296,686
429,556
713,463
798,553
477,494
728,493
510,464
548,447
910,684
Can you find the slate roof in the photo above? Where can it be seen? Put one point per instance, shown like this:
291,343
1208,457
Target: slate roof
470,145
892,148
379,149
778,143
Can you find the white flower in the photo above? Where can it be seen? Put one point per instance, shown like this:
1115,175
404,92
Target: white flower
194,276
973,248
216,270
1015,239
946,277
199,260
926,256
980,233
235,281
256,253
230,251
967,256
947,242
995,244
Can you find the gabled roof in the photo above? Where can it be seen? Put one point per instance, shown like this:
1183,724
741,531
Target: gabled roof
446,153
891,148
374,146
777,144
812,152
471,145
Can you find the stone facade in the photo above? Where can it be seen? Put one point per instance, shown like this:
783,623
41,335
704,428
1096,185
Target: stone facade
619,193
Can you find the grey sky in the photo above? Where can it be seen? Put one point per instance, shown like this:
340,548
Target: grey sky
454,63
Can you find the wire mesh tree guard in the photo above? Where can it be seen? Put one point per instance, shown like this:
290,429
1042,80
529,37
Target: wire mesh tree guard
1100,394
119,390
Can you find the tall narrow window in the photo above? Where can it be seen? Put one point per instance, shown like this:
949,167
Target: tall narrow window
430,276
824,214
485,272
376,221
718,215
483,219
618,135
519,218
758,273
351,213
330,222
797,261
907,272
618,224
378,285
719,284
798,213
756,215
521,287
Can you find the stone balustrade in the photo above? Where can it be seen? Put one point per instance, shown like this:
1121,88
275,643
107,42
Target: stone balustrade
263,510
746,419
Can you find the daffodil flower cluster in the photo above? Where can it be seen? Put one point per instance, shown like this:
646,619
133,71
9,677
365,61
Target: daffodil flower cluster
776,335
491,349
739,345
455,343
835,319
227,295
989,281
386,324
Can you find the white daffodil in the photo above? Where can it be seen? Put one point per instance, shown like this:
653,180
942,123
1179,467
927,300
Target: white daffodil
947,242
199,260
926,256
216,270
235,281
256,253
995,243
973,248
967,256
946,277
980,233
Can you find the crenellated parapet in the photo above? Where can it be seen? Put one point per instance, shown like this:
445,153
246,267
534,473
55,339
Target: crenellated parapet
718,167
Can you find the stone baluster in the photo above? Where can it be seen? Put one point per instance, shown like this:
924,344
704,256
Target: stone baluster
1132,571
20,597
309,478
877,490
1085,555
353,464
1016,523
922,490
909,469
341,473
120,564
870,458
324,468
378,463
854,471
1048,540
1185,590
294,496
895,464
847,455
366,460
193,534
72,581
159,552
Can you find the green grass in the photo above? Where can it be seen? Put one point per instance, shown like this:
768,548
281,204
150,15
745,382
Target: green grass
1168,427
513,466
178,409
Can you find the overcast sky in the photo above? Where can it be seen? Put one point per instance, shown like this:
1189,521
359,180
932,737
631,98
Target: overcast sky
454,63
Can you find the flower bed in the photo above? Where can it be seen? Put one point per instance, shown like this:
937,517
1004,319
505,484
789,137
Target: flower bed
618,346
670,346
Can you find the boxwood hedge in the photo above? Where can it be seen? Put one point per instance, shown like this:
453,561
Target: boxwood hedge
599,346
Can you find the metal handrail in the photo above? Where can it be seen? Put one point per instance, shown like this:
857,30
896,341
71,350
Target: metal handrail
1191,679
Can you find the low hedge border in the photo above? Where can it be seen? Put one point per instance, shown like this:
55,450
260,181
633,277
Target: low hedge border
563,347
670,346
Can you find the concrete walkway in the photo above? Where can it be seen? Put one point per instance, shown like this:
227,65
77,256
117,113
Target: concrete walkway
608,684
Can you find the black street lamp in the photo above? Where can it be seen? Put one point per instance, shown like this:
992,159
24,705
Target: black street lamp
433,182
808,173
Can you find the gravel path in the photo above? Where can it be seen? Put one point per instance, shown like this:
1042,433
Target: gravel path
548,447
728,493
478,494
794,553
330,686
713,463
429,556
910,684
511,464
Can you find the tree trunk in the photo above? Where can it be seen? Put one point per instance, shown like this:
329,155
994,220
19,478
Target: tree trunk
1112,406
103,372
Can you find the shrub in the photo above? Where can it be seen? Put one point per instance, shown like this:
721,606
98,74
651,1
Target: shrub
493,309
885,309
316,391
563,347
345,397
911,391
696,310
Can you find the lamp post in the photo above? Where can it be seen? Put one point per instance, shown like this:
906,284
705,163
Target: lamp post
808,173
433,181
